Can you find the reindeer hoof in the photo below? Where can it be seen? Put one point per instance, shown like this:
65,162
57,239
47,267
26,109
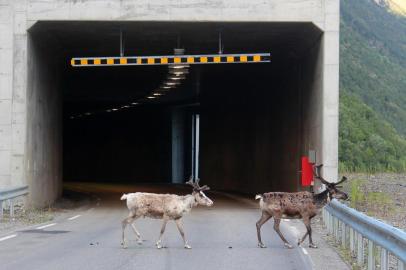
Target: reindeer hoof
312,246
139,241
261,245
124,245
287,245
159,245
187,246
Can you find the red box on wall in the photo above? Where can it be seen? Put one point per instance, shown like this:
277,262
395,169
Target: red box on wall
307,171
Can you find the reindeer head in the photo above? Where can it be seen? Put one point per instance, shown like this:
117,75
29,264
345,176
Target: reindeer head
332,188
200,197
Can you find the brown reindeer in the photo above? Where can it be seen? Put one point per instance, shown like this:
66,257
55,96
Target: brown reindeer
298,205
163,206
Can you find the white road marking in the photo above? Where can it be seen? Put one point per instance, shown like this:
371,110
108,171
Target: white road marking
305,251
8,237
75,217
46,226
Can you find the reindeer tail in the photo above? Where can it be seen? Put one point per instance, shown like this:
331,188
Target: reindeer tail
258,197
124,197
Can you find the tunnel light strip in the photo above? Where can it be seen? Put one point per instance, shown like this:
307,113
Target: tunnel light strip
171,60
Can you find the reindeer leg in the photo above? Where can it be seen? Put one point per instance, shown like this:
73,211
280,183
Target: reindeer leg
276,224
124,224
182,233
300,241
138,235
309,229
159,242
264,218
306,222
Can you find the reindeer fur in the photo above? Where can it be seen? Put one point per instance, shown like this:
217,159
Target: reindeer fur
298,205
162,206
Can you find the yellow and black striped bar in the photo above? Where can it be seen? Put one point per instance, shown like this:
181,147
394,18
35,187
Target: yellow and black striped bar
171,60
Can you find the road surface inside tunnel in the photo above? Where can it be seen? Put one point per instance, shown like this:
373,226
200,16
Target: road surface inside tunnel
222,237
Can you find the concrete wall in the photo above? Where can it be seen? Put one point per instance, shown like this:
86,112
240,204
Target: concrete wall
311,78
13,105
17,16
43,151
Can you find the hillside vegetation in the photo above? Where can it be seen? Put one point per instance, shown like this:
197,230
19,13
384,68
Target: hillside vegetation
367,142
372,87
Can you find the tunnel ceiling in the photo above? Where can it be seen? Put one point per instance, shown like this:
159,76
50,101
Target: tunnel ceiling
100,87
150,38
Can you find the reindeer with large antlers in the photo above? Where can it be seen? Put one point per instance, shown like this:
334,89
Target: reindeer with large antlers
163,206
298,205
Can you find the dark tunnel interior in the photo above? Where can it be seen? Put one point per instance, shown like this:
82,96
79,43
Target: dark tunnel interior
251,116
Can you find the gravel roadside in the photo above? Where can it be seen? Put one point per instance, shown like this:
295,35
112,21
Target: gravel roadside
24,217
382,196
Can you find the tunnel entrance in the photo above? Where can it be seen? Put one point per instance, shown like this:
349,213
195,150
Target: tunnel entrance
240,127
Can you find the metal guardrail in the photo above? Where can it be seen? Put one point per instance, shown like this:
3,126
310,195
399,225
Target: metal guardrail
364,236
9,195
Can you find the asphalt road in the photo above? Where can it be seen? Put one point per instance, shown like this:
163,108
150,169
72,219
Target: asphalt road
222,237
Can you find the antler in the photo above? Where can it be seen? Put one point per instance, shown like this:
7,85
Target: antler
196,186
191,183
316,172
342,180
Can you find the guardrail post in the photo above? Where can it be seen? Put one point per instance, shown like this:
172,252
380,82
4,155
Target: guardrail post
1,209
384,259
401,265
387,240
331,222
336,227
325,218
360,249
343,235
371,257
11,203
352,241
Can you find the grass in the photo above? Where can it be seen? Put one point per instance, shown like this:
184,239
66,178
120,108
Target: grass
356,194
370,201
29,216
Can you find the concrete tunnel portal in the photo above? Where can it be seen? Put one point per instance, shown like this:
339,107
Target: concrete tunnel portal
256,120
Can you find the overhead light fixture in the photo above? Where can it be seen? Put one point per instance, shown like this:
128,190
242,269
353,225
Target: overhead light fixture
114,109
179,66
134,103
171,83
178,72
174,77
157,94
151,97
108,110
